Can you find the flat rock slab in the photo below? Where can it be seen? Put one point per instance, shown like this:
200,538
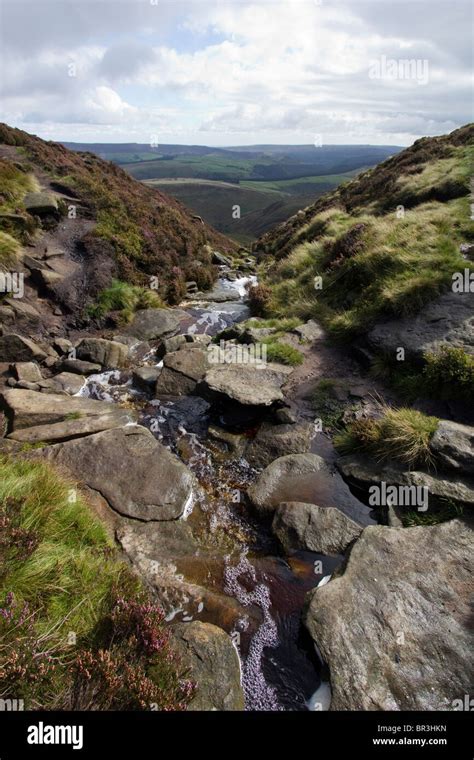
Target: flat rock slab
311,528
394,627
69,429
25,408
213,663
246,384
149,324
451,486
16,348
447,320
135,473
305,478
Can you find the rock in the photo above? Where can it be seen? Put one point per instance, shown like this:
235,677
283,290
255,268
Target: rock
29,409
46,278
394,627
70,429
363,471
62,345
27,386
189,412
21,309
256,334
149,324
173,344
316,529
233,442
306,478
310,332
145,377
467,250
182,370
453,446
69,382
219,258
286,415
15,348
213,664
273,441
135,473
80,367
217,295
27,372
108,353
41,204
247,384
447,320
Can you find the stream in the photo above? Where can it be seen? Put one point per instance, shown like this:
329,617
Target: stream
245,585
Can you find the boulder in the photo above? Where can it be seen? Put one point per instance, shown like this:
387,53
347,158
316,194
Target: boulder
453,446
219,258
247,384
69,429
69,382
360,470
80,367
41,204
394,627
316,529
27,372
181,372
135,473
149,324
29,409
172,344
108,353
213,664
46,278
145,377
310,332
447,320
305,478
273,441
15,348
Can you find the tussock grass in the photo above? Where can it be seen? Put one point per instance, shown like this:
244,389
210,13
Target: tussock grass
14,184
125,299
9,250
403,434
282,353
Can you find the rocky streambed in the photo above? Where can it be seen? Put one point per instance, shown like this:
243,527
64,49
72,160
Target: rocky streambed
227,500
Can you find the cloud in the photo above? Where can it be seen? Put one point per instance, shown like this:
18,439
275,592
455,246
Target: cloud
257,70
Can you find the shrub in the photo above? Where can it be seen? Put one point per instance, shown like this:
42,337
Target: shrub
402,434
259,299
125,299
449,374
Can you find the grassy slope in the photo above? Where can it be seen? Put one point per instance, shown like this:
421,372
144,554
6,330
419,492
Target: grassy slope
142,230
374,264
59,573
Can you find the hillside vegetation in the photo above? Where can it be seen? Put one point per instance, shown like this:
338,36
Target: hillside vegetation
381,245
139,231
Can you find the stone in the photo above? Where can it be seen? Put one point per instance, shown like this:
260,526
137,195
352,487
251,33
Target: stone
22,309
70,382
326,530
108,353
394,627
62,345
273,441
70,429
145,377
247,384
305,478
173,344
213,664
41,203
310,332
219,258
360,470
27,386
27,372
25,408
135,473
149,324
46,278
453,446
448,320
80,367
15,348
233,442
181,372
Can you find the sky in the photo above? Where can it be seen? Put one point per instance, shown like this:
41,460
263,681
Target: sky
212,72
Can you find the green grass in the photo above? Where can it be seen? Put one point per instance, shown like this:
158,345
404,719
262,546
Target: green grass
282,353
279,325
60,573
14,184
326,404
125,299
403,434
9,249
438,513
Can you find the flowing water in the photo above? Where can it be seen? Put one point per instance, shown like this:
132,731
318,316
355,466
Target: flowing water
233,555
